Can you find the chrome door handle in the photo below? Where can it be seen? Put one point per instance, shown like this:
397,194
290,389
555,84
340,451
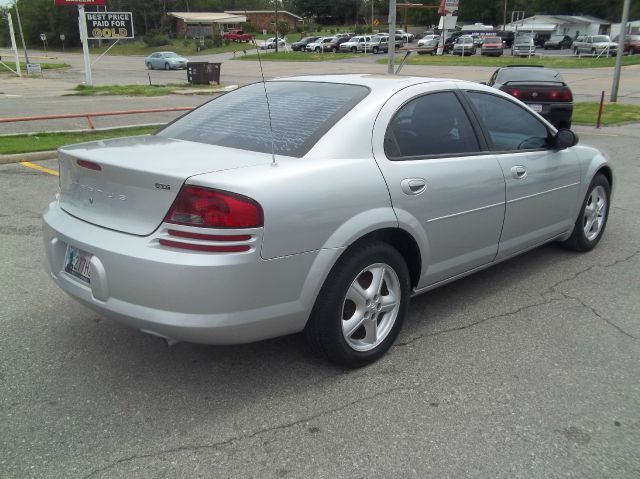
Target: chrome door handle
518,172
413,186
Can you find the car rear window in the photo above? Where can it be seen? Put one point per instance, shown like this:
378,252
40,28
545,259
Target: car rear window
529,74
240,119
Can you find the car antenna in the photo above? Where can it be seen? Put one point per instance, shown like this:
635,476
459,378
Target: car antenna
266,95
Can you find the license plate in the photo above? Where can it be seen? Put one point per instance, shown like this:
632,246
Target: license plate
77,264
536,107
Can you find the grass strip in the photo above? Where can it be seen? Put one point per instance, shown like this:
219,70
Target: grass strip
23,66
140,90
52,141
586,113
299,57
503,61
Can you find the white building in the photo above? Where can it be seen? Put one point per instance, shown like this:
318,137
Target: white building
633,27
572,25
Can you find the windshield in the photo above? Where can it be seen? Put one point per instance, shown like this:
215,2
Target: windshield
465,40
556,38
529,74
240,119
492,40
171,55
600,38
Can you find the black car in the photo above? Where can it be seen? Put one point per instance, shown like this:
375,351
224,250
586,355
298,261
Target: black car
542,89
301,44
558,42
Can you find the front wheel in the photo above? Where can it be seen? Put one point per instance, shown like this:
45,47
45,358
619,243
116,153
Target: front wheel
592,220
166,66
354,49
361,306
149,67
375,50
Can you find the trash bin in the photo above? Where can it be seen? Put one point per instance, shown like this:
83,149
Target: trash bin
203,73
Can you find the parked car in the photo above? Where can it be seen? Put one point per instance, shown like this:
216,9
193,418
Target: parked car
301,45
631,43
320,45
597,45
451,41
428,44
191,234
523,45
558,42
237,36
491,46
270,43
355,44
578,43
542,89
378,43
464,46
406,37
165,61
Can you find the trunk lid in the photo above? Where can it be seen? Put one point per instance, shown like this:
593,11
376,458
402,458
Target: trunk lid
138,178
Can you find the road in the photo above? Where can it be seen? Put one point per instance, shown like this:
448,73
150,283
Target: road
526,370
30,97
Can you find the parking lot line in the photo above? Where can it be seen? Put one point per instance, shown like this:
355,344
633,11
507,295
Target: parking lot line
39,168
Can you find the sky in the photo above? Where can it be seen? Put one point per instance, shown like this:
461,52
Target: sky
4,3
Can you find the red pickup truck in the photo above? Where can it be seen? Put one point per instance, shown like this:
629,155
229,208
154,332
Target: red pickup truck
237,36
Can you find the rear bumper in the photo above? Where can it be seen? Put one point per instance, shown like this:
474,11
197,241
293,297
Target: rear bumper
190,296
557,114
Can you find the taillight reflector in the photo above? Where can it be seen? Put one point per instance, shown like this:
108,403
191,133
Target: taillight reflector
205,247
208,208
200,236
90,165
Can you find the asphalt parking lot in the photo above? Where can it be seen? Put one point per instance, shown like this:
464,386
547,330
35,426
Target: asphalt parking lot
528,369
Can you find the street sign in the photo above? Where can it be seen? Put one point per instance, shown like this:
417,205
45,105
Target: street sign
376,22
107,25
449,6
43,37
80,2
34,68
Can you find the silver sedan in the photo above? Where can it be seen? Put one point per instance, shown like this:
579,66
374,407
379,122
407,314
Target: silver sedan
233,224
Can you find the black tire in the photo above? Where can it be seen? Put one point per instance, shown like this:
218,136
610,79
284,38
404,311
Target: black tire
354,49
324,332
167,67
375,50
317,49
149,66
578,241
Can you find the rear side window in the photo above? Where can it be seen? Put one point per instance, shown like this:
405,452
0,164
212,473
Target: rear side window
301,113
433,124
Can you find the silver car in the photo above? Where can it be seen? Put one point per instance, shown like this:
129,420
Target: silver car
225,228
166,61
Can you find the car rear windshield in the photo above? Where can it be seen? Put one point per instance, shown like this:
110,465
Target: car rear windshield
529,74
240,119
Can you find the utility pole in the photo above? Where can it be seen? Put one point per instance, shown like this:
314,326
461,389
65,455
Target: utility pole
24,46
276,5
392,36
619,52
13,44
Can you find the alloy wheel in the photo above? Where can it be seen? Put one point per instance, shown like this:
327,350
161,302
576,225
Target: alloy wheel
371,306
594,213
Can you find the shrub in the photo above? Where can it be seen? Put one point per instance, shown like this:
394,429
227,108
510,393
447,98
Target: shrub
156,39
283,28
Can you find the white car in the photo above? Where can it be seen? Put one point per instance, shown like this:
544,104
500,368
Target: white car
270,43
319,45
356,44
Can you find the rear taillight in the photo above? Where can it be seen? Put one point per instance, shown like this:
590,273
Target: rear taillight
513,92
207,208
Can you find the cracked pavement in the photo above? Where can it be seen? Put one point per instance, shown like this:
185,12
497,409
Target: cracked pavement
527,369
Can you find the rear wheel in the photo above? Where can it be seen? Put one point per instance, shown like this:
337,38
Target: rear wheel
361,306
375,50
592,220
149,66
166,66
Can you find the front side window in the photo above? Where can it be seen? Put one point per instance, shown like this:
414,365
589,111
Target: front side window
433,124
510,126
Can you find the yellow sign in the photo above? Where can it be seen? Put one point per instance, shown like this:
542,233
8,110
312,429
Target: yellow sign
376,22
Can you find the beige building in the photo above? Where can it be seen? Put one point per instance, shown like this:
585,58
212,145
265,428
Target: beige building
202,24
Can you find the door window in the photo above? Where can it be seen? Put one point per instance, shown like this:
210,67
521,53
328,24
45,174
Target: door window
510,126
433,124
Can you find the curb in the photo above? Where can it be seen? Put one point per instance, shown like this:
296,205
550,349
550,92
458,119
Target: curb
37,156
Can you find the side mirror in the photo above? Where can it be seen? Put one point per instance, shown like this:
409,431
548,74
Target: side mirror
565,139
